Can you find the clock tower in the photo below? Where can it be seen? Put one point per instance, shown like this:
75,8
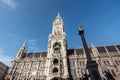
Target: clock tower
57,67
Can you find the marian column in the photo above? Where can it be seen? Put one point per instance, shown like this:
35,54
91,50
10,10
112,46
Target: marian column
91,65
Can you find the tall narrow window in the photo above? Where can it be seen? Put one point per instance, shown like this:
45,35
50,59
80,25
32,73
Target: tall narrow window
19,66
116,62
42,64
43,72
106,63
113,72
35,65
72,63
82,63
23,73
73,72
26,66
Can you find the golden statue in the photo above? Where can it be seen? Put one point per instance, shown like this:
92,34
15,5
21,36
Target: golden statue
80,28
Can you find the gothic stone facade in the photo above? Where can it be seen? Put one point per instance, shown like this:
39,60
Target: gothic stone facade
60,63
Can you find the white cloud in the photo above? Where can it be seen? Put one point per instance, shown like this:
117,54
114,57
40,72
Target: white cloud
10,3
6,60
32,46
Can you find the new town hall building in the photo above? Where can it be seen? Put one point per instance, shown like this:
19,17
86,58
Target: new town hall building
60,63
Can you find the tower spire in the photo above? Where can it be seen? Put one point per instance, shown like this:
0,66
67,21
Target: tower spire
58,14
21,50
24,44
58,25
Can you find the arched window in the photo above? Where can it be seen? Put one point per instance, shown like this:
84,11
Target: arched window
55,61
55,70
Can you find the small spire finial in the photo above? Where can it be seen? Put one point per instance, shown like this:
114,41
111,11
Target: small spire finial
25,42
92,45
58,13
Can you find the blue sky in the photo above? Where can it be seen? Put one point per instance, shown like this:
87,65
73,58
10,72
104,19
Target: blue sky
31,20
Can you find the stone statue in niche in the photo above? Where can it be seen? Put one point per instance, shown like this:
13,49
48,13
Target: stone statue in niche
57,47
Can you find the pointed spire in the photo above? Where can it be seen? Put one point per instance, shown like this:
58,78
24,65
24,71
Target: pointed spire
58,14
94,48
92,45
22,50
95,51
24,44
58,19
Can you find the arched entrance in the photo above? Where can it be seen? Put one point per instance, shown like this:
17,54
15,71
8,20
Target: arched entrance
8,79
55,78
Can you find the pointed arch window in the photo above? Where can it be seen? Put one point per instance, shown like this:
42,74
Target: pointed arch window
26,66
55,61
106,63
19,66
35,65
73,71
55,70
82,63
72,63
